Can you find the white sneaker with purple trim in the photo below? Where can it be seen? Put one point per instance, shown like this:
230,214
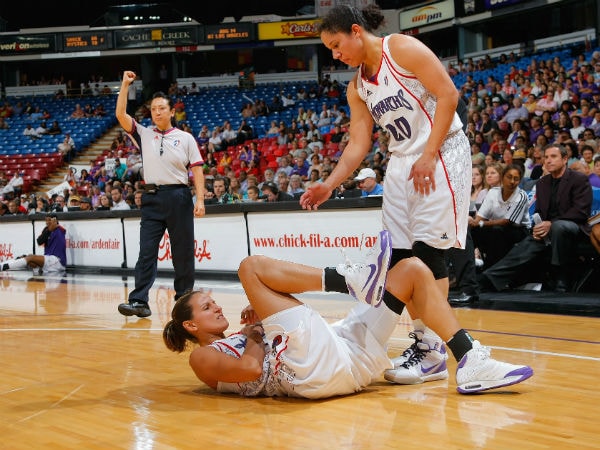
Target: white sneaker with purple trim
478,372
419,363
366,280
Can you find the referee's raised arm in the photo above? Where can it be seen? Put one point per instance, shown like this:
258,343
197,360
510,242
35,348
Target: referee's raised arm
121,109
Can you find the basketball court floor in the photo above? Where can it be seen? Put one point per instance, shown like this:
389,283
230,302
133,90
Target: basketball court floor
75,374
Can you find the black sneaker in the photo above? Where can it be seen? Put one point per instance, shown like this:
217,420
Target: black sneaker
3,267
140,309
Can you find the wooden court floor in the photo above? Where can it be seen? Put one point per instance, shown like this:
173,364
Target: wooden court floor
77,375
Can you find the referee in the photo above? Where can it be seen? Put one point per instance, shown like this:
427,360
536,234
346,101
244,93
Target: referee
168,153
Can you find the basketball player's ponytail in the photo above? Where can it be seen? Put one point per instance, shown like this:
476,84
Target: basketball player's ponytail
373,17
175,336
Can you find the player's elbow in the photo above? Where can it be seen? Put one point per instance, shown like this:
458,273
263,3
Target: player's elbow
452,95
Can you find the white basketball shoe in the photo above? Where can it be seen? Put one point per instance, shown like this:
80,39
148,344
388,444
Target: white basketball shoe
366,280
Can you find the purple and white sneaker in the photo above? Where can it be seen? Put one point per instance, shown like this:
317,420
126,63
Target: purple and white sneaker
477,372
419,363
366,280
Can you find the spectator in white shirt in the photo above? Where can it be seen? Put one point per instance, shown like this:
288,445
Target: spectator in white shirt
119,202
14,185
30,131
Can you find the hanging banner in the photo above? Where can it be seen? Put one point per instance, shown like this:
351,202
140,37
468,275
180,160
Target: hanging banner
17,45
426,15
290,29
156,37
227,33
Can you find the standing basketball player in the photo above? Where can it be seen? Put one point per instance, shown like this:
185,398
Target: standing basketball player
402,87
168,154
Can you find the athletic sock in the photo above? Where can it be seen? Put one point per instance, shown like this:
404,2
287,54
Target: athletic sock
430,337
393,303
419,328
460,344
333,281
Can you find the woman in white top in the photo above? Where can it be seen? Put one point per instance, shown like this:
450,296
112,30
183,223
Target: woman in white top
503,218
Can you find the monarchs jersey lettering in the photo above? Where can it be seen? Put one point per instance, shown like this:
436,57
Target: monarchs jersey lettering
401,105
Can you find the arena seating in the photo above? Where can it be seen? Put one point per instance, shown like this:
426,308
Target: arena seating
211,106
37,158
225,103
564,53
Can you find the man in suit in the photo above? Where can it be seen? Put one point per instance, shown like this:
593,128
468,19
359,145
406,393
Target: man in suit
563,201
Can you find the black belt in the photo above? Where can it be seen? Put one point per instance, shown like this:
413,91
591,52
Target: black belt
152,188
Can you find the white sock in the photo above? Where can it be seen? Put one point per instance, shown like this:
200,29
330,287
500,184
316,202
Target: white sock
16,264
425,333
419,328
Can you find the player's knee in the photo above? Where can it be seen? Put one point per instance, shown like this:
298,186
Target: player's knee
434,258
249,266
407,271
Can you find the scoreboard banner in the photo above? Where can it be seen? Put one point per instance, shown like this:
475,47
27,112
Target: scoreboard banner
86,41
156,37
17,45
229,33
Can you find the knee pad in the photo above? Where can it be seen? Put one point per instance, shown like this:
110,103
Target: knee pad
434,258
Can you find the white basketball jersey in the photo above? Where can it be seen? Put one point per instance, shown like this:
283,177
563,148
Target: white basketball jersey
401,105
235,345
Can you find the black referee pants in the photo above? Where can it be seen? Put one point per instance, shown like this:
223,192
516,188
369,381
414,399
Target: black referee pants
170,210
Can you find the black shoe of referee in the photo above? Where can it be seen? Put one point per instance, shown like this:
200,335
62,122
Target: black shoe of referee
135,308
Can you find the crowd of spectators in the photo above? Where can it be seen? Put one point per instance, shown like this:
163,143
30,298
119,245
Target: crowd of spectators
279,164
510,121
243,165
529,108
